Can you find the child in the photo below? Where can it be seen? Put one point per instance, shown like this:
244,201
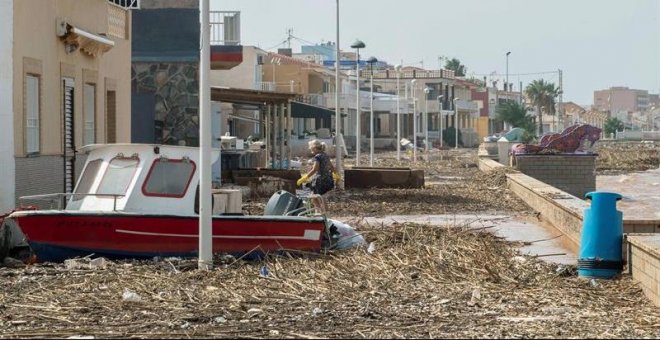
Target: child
322,175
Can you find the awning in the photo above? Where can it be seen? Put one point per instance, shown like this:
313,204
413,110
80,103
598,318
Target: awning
302,110
90,43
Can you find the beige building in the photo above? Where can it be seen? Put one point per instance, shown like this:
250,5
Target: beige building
617,99
69,85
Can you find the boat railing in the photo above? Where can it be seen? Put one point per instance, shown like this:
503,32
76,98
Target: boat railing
58,201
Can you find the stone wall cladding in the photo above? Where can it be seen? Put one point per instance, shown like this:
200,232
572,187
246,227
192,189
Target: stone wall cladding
574,174
176,92
645,263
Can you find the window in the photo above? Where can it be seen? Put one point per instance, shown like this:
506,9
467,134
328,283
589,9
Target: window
169,178
118,176
89,121
32,112
87,178
111,116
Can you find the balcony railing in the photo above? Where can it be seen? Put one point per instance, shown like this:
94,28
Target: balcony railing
126,4
225,27
117,21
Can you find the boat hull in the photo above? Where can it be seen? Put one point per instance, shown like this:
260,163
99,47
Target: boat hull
55,236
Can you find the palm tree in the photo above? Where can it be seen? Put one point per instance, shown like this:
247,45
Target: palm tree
542,94
456,66
515,114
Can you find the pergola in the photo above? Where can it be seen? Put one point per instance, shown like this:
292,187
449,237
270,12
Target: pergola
274,115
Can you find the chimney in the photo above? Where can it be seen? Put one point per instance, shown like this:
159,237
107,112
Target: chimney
285,51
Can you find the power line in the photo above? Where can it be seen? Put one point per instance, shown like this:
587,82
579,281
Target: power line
280,44
518,74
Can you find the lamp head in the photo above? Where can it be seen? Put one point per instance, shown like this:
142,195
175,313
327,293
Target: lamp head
507,53
397,67
358,44
440,97
427,90
456,99
372,60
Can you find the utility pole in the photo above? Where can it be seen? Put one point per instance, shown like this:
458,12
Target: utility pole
561,95
338,137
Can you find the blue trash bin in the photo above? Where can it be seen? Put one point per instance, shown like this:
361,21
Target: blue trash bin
602,237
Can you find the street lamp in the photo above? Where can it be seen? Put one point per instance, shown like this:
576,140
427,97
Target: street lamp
397,68
413,84
441,106
541,121
456,123
371,62
425,123
507,71
358,44
205,241
338,138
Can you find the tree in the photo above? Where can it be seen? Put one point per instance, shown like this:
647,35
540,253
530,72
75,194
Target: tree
542,94
456,66
612,125
449,137
515,114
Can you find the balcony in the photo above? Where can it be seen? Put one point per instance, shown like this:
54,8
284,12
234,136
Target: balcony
226,48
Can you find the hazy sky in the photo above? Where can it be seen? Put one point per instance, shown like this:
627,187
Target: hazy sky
597,43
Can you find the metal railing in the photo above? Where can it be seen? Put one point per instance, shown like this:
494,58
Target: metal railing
225,27
126,4
60,200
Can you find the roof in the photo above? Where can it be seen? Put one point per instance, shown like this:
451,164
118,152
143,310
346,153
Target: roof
243,96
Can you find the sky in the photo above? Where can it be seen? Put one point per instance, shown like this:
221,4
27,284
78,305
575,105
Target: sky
596,43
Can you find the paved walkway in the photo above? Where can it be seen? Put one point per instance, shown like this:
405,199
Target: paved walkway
543,241
640,191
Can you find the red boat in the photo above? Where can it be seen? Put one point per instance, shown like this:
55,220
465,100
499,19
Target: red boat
138,201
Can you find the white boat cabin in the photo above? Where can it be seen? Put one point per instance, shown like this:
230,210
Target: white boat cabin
139,178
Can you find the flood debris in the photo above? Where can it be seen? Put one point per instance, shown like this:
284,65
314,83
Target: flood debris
421,282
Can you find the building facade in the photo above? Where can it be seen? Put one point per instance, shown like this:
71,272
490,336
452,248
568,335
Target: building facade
69,90
621,99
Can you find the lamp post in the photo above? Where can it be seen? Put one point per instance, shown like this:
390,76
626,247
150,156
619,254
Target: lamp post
358,44
338,137
425,123
205,242
371,62
456,123
541,121
397,68
507,71
413,84
440,105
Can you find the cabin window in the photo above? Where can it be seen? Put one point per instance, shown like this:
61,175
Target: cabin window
87,178
169,178
118,176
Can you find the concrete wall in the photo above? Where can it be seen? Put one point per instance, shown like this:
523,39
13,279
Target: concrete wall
245,75
575,175
644,257
565,213
7,165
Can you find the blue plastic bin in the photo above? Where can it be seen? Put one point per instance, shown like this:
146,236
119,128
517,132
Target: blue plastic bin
602,237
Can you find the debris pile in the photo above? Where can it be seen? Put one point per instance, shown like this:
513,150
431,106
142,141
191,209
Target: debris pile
454,185
412,281
616,158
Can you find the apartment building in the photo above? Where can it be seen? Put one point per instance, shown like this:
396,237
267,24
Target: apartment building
621,99
64,83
